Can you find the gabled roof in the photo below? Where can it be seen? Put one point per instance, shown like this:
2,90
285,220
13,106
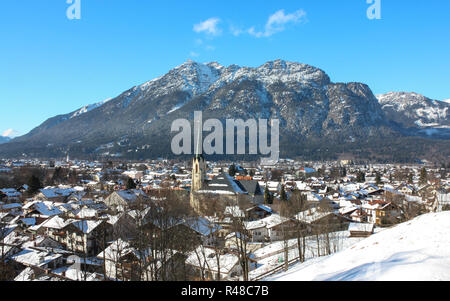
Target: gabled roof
252,187
312,215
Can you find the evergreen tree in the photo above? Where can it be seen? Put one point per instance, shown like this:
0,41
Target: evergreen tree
344,172
423,176
131,184
361,177
232,170
34,184
378,179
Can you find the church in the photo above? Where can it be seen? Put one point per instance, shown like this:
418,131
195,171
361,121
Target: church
222,188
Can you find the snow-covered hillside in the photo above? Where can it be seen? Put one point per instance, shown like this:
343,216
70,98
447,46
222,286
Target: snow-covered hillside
88,108
418,250
415,110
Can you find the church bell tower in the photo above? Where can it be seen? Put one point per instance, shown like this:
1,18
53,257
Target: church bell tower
198,173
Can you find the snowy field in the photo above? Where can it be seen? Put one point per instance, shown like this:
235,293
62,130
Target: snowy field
272,255
418,250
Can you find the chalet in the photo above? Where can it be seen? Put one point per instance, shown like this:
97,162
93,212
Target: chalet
380,212
406,189
258,212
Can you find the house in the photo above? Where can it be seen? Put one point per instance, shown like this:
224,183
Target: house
120,200
125,263
41,208
254,190
360,229
54,194
380,212
197,229
10,194
258,231
324,220
13,208
79,236
406,189
39,259
258,212
122,261
205,266
277,226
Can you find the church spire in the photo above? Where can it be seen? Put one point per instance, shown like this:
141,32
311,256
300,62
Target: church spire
198,140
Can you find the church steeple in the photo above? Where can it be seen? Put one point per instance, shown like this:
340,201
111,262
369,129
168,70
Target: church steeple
199,165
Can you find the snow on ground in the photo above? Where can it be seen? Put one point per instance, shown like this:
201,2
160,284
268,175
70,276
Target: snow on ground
418,250
272,256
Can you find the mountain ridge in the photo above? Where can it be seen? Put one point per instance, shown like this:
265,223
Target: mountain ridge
312,110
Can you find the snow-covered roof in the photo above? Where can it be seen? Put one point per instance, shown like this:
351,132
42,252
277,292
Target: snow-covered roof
56,192
44,208
35,258
205,258
268,222
55,222
361,227
87,226
311,215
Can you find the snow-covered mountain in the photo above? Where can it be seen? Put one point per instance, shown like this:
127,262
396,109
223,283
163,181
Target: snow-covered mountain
88,108
413,110
313,111
418,250
446,101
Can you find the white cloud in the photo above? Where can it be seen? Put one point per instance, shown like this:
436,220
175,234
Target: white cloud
210,27
10,133
277,23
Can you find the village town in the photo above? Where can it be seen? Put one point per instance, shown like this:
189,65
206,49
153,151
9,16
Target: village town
196,220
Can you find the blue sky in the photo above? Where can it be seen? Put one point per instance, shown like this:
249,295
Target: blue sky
50,65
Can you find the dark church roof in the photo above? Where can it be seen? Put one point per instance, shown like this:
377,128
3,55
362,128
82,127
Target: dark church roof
224,184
